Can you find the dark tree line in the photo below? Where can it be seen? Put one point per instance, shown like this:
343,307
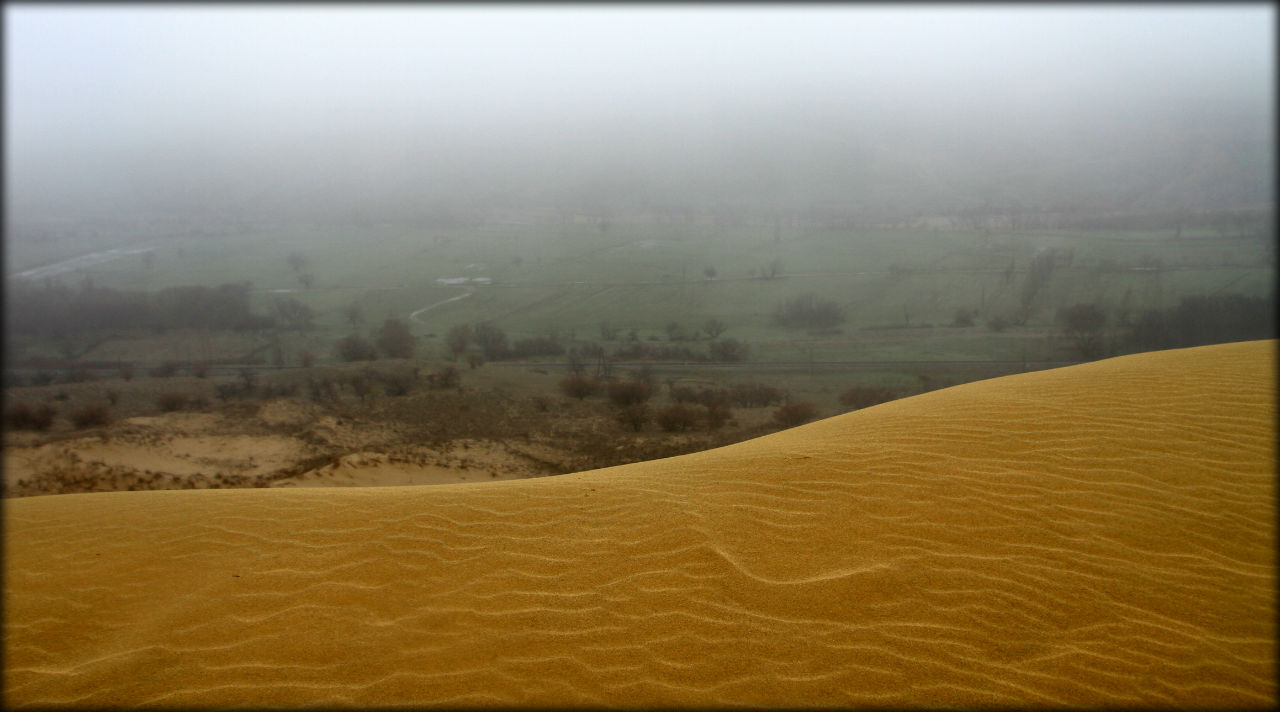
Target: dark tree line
495,346
1199,320
53,309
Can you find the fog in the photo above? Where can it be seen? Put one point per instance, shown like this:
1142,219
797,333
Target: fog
335,112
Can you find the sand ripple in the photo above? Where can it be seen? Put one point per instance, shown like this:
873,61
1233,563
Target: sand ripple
1097,535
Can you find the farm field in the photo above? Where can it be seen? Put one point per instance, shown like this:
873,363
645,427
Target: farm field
900,289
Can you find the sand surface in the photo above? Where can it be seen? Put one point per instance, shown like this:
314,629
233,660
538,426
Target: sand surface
1102,534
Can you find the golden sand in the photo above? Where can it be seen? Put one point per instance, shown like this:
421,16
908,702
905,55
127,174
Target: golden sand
1102,534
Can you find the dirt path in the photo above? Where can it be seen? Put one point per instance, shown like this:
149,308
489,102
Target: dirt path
414,316
72,264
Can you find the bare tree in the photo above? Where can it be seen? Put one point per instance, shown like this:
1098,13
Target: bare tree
394,339
1083,325
491,340
458,338
294,313
353,314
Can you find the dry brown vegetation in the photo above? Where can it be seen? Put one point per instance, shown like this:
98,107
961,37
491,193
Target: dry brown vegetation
186,431
796,413
21,416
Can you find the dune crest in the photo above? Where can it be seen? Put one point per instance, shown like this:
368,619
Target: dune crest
1102,534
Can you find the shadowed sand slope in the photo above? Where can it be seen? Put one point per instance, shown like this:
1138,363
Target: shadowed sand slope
1093,535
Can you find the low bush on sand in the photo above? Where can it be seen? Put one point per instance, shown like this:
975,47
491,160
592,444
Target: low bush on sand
21,416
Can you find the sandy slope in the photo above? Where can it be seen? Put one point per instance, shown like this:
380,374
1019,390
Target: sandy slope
1101,534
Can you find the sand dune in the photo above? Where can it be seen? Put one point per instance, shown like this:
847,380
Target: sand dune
1102,534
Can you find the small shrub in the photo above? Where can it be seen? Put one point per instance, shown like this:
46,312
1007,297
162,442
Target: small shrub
113,396
717,415
200,370
684,394
170,401
447,377
578,386
677,418
168,369
728,351
361,385
21,416
629,393
795,413
321,390
997,323
355,348
397,384
634,416
91,415
226,391
963,317
126,371
307,359
866,396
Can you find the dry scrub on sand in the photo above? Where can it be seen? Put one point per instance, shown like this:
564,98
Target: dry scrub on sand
1096,535
157,435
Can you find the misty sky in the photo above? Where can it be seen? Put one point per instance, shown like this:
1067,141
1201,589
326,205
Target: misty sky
131,99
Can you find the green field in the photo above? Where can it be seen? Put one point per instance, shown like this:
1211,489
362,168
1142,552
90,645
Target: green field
900,289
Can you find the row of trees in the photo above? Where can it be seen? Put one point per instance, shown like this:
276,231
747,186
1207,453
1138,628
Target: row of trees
630,399
54,310
493,344
1197,320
